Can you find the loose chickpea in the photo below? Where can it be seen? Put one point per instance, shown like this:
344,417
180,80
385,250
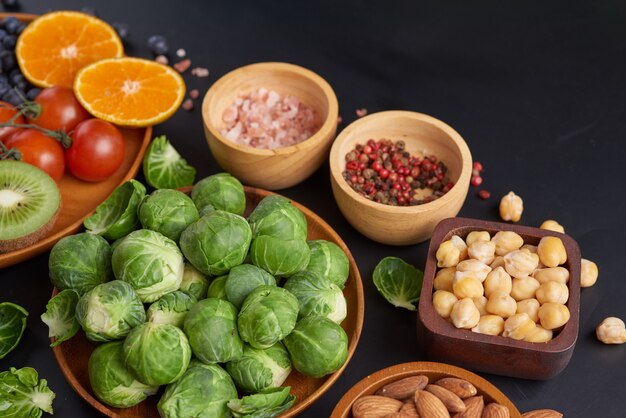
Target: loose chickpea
501,304
443,279
539,335
552,274
611,331
489,325
511,207
552,225
498,280
476,236
464,314
448,255
588,273
529,247
551,251
552,292
497,262
518,326
483,251
458,242
507,241
468,287
520,263
529,307
479,270
481,304
443,302
524,288
553,315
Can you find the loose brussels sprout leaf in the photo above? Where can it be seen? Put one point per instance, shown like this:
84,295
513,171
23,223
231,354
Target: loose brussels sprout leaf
317,296
164,168
202,392
211,325
266,404
80,262
277,217
267,315
280,258
329,260
150,262
317,346
398,282
222,191
22,394
168,212
157,354
216,288
111,381
171,309
60,316
194,283
216,242
12,325
242,280
109,311
258,369
117,216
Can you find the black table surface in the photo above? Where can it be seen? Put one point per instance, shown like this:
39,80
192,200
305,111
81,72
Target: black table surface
537,90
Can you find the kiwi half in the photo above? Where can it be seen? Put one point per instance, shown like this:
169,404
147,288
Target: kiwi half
29,204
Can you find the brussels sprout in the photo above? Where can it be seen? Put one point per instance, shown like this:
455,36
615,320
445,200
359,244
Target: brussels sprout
80,262
329,260
268,315
202,392
216,242
111,381
22,394
150,262
171,309
168,212
60,316
157,354
222,191
277,217
242,280
109,311
216,288
317,346
398,282
258,369
194,283
211,325
164,168
12,325
280,258
266,404
117,216
317,296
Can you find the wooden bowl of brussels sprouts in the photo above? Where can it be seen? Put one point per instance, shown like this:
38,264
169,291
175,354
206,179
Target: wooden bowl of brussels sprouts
308,378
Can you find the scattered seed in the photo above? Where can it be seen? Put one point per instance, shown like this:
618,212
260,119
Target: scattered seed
200,72
194,94
484,194
478,166
180,52
188,105
476,181
182,66
161,59
361,112
339,119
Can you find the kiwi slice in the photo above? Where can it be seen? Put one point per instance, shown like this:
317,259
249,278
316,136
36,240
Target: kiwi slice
29,204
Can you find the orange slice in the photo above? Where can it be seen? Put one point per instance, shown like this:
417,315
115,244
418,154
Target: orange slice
129,91
52,49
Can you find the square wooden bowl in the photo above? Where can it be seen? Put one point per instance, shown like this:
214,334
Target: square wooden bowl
495,354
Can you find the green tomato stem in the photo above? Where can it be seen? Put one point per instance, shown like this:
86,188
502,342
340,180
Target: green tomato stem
59,135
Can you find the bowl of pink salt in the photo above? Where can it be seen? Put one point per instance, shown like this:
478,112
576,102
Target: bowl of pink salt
270,124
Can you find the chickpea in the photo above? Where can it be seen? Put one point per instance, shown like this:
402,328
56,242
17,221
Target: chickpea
483,251
497,280
552,225
539,335
507,241
458,242
551,251
520,263
518,326
611,331
476,236
588,273
524,288
480,270
552,292
501,304
468,287
490,325
443,302
497,262
481,305
529,247
448,255
553,315
552,274
511,207
529,307
443,279
464,314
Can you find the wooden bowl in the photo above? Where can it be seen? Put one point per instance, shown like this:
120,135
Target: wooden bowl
276,168
401,225
373,382
73,355
494,354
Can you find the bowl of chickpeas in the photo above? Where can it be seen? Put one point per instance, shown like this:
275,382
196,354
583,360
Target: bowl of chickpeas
500,298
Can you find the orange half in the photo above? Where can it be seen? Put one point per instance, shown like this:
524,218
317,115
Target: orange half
55,46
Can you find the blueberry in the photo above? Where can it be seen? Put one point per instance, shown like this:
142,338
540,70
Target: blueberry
4,88
157,44
20,29
90,11
122,30
9,41
14,72
7,59
11,24
4,79
17,78
33,93
3,33
13,97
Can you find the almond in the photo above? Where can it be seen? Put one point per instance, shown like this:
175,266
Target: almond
403,388
473,408
409,410
396,415
430,406
449,399
460,387
542,413
372,406
495,410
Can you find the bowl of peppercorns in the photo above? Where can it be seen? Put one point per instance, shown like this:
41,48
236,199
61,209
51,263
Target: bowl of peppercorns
396,174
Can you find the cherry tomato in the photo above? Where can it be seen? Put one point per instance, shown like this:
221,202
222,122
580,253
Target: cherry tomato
59,109
7,111
97,150
39,150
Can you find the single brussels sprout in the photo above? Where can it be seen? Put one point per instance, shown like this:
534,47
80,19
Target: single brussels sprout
194,283
80,262
109,311
60,316
317,296
150,262
216,242
157,354
202,392
22,394
259,369
216,288
12,325
267,315
280,258
266,404
117,215
171,309
222,191
111,381
317,346
329,260
164,168
398,282
275,216
211,325
242,280
167,211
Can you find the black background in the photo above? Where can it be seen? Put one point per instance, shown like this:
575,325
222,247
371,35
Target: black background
537,89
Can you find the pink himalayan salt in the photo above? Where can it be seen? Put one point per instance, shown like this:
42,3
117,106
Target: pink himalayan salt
266,119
